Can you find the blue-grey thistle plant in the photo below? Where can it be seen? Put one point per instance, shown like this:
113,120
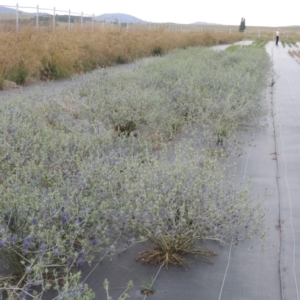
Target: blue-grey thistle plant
108,186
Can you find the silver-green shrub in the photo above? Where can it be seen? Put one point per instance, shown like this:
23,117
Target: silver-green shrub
98,166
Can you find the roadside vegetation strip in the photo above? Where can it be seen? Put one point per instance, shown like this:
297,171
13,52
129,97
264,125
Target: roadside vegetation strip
28,55
123,158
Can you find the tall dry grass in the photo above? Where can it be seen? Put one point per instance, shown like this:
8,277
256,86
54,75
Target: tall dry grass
30,55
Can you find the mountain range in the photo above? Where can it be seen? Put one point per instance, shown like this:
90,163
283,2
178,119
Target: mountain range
118,18
7,10
107,18
12,11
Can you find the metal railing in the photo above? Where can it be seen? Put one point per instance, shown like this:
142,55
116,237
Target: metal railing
16,17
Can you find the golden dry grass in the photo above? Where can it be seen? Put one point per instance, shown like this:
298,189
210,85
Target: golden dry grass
254,32
50,54
30,55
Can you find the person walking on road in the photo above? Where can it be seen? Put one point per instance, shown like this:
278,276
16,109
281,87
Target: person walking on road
277,36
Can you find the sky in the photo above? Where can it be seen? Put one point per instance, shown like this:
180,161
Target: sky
225,12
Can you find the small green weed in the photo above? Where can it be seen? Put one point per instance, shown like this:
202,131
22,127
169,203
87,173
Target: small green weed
233,48
53,70
2,78
123,296
18,74
157,51
126,128
121,59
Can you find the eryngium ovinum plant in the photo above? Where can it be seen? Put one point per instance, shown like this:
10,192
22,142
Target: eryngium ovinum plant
182,200
73,184
217,91
53,218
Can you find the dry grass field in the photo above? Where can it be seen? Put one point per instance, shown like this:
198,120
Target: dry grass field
32,55
54,52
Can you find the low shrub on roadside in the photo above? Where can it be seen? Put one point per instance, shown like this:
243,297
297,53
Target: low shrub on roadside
18,74
180,201
52,223
157,51
2,78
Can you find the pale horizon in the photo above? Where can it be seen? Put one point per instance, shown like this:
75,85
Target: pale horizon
256,13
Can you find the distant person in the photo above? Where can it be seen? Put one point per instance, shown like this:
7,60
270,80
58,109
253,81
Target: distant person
277,36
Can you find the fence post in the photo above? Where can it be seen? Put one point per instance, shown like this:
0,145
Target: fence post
81,21
53,18
37,18
93,21
17,17
69,20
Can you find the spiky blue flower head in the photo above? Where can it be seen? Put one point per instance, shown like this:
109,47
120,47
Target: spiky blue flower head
43,246
95,242
65,217
48,224
56,251
79,220
80,261
27,242
14,237
70,260
2,244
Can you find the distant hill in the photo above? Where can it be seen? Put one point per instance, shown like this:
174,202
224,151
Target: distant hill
7,10
205,23
118,18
